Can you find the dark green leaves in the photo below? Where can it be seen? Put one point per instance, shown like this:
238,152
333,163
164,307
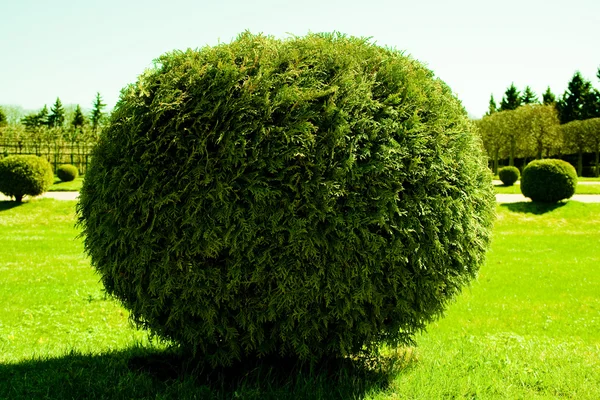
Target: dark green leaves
311,197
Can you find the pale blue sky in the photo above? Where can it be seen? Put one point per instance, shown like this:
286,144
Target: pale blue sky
73,49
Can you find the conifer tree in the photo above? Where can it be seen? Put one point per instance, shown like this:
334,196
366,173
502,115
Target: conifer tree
577,101
492,108
37,120
78,118
97,113
511,99
57,115
548,97
529,97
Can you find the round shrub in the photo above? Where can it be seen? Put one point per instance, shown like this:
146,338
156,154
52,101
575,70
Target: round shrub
22,175
508,175
312,197
67,172
548,180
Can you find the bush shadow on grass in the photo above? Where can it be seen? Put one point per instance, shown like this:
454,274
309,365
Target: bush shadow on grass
141,373
532,207
6,205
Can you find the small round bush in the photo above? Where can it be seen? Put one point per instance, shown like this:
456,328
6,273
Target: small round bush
548,180
508,175
313,197
22,175
67,172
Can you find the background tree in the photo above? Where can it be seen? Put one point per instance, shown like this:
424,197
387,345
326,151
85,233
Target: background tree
492,108
36,126
3,119
572,105
490,132
56,118
548,97
37,120
511,99
575,138
78,118
97,113
529,97
591,104
592,128
502,136
14,114
541,128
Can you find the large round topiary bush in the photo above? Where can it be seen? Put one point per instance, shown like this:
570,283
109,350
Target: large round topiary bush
548,180
508,175
67,172
312,197
22,175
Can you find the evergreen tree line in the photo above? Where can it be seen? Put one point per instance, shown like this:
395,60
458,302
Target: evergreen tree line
525,127
51,134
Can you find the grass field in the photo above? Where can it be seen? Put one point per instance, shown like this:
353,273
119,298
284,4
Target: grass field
580,189
528,328
73,186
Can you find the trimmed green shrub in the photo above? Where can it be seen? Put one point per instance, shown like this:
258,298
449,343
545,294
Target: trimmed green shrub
67,172
312,197
508,175
22,175
548,180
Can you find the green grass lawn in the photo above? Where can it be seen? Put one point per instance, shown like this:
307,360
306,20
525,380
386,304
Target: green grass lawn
73,186
528,328
584,179
516,189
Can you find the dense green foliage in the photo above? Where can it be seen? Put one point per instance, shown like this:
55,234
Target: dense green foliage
530,131
56,118
97,113
580,101
581,137
508,175
3,119
312,197
529,96
548,180
511,100
67,172
24,175
78,120
548,98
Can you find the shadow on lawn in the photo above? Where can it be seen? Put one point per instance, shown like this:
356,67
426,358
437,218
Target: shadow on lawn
6,205
140,373
532,207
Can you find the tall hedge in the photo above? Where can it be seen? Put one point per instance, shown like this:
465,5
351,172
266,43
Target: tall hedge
22,175
311,197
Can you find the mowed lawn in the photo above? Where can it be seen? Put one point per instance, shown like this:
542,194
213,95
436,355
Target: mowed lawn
586,188
528,328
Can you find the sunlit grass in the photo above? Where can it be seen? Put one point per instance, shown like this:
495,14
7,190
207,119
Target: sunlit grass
580,189
528,328
72,186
